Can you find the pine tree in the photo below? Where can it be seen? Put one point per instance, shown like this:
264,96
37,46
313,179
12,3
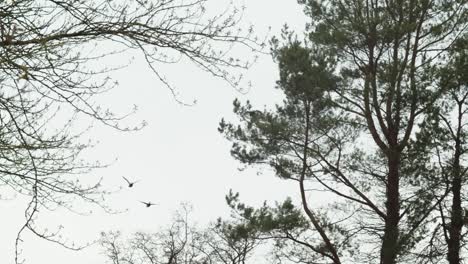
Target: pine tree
352,134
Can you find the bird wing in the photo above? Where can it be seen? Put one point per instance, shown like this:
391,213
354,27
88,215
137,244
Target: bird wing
126,179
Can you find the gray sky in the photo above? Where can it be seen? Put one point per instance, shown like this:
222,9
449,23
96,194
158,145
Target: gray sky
179,156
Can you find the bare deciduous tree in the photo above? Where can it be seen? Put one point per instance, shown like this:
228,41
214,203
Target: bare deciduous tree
51,52
182,243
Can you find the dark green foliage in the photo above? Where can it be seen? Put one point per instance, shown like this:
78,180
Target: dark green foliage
293,235
293,139
285,217
272,137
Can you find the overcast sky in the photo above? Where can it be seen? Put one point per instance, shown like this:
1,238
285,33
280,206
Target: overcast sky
179,156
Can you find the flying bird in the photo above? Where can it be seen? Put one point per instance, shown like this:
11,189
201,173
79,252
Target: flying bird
130,184
148,204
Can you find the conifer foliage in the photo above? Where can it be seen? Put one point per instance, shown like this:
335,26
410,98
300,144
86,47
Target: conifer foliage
374,116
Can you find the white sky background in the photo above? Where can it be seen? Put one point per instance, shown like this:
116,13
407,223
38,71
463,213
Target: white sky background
180,156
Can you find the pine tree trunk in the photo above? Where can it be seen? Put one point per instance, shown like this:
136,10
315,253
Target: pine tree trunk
389,249
456,218
456,224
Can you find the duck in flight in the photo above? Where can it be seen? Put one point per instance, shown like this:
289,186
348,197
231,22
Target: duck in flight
130,183
148,204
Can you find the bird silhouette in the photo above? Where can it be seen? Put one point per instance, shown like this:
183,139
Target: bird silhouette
130,183
148,204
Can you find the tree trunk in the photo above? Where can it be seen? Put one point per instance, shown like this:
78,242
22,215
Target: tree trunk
456,224
389,248
456,218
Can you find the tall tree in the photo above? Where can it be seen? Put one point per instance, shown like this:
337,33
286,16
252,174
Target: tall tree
444,141
386,45
51,57
385,54
456,81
